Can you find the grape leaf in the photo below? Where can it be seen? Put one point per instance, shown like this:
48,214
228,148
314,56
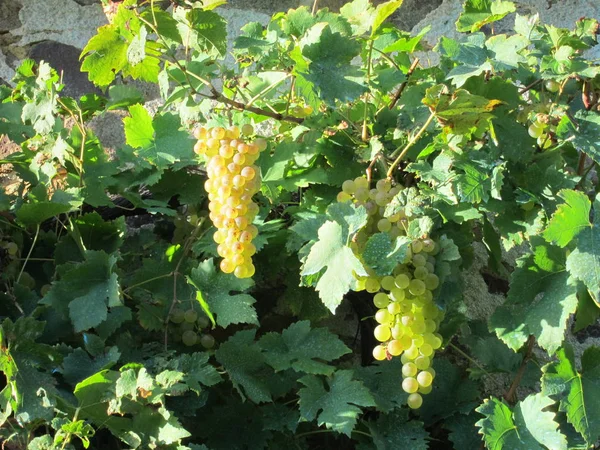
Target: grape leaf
196,369
528,426
584,262
77,366
205,31
216,288
330,69
382,254
394,431
576,391
527,312
586,134
335,403
106,56
86,290
463,432
381,379
298,347
245,364
331,253
569,218
382,12
477,13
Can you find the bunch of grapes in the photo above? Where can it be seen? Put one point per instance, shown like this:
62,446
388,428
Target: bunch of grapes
190,325
407,316
542,129
232,181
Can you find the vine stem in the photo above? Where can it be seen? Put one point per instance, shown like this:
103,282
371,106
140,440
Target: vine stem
511,393
214,93
464,355
398,93
409,145
364,134
37,233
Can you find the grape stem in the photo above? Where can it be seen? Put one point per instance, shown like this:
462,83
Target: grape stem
464,355
409,145
365,132
37,232
510,395
398,93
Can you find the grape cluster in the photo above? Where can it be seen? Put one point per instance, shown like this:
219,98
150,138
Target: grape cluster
542,130
232,181
407,316
190,325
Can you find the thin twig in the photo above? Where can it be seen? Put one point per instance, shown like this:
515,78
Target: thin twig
464,355
529,86
37,232
364,133
511,393
398,93
410,144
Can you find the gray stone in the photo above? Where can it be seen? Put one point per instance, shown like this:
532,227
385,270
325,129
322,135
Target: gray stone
6,72
63,21
9,15
109,129
65,60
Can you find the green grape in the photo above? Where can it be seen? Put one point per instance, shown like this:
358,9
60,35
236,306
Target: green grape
426,350
430,327
431,370
402,281
432,281
425,390
397,294
361,194
383,185
406,341
349,187
412,352
427,295
430,267
397,331
416,287
418,326
382,199
418,340
395,348
207,341
552,86
394,308
416,246
436,342
190,316
419,260
342,197
382,333
422,362
535,130
409,369
189,338
431,311
410,385
11,248
203,322
185,326
414,401
384,225
383,316
372,285
424,378
247,129
45,289
421,273
428,245
380,353
407,320
381,300
387,283
177,315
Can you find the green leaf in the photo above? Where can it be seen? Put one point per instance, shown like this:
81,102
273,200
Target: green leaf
576,391
382,12
78,365
298,347
122,96
569,218
86,290
588,311
393,431
197,370
335,403
338,261
477,13
382,255
463,432
217,287
205,31
541,298
106,56
330,69
586,133
584,262
529,426
381,379
245,364
136,52
139,132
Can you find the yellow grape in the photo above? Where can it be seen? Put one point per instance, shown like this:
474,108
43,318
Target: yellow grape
414,401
